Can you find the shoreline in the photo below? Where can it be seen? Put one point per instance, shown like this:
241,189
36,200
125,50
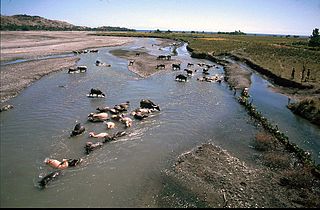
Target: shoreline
36,44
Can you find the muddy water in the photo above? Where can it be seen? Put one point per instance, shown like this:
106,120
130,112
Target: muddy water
125,173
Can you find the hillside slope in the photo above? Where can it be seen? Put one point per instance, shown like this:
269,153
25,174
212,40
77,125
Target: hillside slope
34,23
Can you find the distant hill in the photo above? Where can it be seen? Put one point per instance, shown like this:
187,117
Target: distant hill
34,23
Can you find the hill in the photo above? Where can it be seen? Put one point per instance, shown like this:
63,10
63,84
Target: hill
35,23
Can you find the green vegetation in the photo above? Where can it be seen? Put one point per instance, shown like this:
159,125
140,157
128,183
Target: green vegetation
233,33
315,38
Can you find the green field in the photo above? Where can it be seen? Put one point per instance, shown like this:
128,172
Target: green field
277,54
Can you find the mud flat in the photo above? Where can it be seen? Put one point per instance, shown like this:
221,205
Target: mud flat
16,77
144,65
209,176
33,44
36,44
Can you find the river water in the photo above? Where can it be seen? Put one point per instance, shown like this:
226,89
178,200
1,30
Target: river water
127,172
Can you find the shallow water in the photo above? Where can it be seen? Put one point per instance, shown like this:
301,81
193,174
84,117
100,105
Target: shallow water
127,172
36,59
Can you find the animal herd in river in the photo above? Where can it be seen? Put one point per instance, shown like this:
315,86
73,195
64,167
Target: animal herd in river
112,117
109,117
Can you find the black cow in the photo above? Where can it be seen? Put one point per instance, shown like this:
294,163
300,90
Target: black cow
96,92
49,178
92,146
181,78
78,129
162,57
190,64
189,72
176,66
148,104
161,66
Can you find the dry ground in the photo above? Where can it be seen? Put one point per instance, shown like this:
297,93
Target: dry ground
35,44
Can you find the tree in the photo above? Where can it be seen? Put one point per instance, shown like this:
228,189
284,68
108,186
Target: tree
315,38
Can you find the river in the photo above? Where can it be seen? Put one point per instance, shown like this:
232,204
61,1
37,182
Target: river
127,172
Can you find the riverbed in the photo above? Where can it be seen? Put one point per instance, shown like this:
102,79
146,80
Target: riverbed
127,172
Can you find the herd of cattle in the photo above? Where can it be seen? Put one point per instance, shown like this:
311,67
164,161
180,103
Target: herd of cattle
119,114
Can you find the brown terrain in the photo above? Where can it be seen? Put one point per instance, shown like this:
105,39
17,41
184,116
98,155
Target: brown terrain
145,64
36,44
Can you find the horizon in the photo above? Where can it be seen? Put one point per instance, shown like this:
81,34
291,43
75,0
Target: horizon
285,17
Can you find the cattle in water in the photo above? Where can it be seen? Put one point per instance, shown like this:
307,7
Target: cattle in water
6,108
49,178
176,66
96,93
79,69
98,117
148,104
189,72
78,129
181,78
92,146
190,64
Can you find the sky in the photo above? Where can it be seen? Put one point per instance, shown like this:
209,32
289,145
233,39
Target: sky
294,17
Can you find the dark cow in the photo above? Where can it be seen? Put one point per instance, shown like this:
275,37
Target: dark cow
148,104
78,129
114,136
49,178
205,71
181,78
137,54
92,146
161,66
96,93
72,70
168,57
82,68
190,64
162,57
189,72
131,62
176,66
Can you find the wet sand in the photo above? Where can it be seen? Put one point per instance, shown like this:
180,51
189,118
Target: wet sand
35,44
237,77
16,77
145,64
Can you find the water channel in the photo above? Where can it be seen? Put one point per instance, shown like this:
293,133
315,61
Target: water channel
127,172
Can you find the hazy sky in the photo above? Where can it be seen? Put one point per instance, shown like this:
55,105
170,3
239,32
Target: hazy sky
298,17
